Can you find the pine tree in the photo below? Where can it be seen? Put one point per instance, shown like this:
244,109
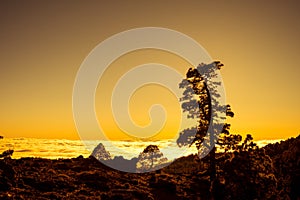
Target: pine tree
150,159
201,108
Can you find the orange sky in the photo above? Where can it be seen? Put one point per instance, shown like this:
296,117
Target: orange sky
43,45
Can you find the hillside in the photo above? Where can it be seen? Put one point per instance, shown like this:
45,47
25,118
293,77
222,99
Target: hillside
268,173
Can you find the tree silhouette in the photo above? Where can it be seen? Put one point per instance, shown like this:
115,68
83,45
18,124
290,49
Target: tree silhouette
206,107
7,153
150,159
248,144
249,173
286,161
228,141
100,153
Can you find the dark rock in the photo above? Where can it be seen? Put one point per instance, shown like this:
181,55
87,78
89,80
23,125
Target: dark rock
7,170
45,186
5,183
51,195
118,197
93,180
104,197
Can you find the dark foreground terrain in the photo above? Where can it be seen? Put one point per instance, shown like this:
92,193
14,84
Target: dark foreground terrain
80,178
268,173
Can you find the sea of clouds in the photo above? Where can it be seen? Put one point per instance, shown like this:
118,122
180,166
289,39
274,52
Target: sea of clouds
62,148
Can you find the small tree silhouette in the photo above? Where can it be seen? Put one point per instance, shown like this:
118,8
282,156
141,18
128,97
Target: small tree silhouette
228,141
100,153
7,153
150,159
248,144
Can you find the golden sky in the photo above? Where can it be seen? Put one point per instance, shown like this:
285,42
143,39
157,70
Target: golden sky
44,43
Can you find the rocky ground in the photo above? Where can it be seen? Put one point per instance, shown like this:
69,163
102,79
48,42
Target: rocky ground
86,178
246,175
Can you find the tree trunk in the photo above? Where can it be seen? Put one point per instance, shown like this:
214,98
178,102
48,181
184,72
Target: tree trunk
212,164
212,154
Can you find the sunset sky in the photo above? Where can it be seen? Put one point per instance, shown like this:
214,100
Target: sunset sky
43,43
